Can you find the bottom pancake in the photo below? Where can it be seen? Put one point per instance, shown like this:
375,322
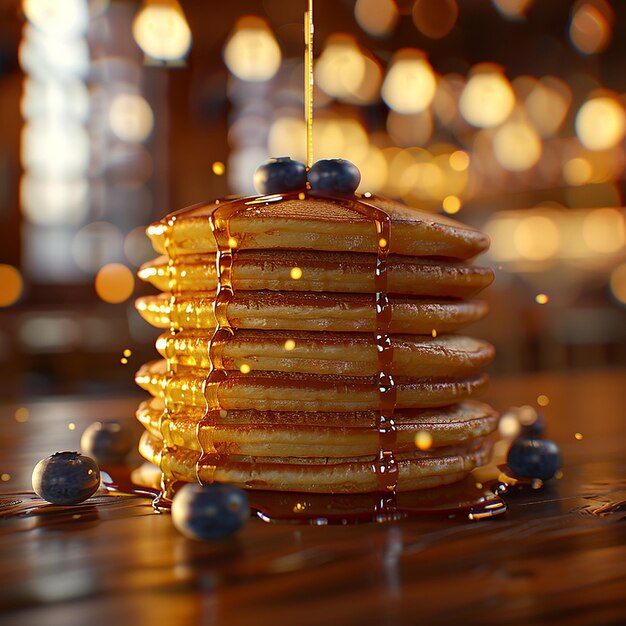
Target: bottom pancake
416,470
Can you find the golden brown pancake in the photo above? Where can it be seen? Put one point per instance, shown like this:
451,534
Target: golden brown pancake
343,354
271,310
276,391
316,435
326,272
318,223
416,469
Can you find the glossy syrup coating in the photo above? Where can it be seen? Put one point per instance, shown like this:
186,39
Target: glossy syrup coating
211,511
108,442
534,458
66,478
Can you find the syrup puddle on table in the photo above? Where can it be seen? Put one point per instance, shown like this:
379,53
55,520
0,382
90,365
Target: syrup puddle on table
463,500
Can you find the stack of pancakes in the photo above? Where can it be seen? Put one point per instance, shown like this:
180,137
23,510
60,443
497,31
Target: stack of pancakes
299,400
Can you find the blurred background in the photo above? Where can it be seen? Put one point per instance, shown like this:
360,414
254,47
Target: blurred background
508,114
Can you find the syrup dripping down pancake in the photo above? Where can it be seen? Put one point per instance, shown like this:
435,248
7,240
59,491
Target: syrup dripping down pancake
319,223
309,311
295,434
324,272
343,354
276,391
416,469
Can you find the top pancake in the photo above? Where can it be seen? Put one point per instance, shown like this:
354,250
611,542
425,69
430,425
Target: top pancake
318,223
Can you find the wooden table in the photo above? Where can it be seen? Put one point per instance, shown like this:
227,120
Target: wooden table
558,556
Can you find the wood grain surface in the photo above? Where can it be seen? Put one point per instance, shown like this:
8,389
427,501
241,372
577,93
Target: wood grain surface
557,557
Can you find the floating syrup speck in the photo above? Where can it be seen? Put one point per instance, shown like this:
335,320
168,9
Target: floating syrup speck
218,168
127,352
543,400
433,332
245,368
296,273
578,436
21,414
423,440
71,426
6,477
290,344
542,298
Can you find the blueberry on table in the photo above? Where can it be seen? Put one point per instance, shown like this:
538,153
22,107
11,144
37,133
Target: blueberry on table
280,175
534,458
108,442
334,176
66,478
209,511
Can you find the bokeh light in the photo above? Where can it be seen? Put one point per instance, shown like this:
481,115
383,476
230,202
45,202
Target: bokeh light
435,18
577,171
161,30
512,9
410,84
516,146
11,285
114,283
131,118
604,230
61,18
252,52
487,99
547,105
376,17
601,123
423,440
537,238
590,26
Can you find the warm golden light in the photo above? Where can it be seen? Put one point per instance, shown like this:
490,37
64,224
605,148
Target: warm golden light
513,9
509,426
547,105
590,28
161,30
131,118
410,130
288,136
252,52
21,414
11,285
543,400
296,273
536,238
487,99
601,123
376,17
459,161
435,18
618,283
516,146
542,298
114,283
57,17
410,84
604,230
451,204
577,171
423,440
245,368
218,168
290,345
340,69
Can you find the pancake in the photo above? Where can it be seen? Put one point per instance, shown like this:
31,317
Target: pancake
343,354
276,391
416,469
318,223
316,435
271,310
325,272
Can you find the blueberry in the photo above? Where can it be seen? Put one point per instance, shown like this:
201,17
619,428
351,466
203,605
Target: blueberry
209,511
66,478
534,458
108,442
334,176
280,175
